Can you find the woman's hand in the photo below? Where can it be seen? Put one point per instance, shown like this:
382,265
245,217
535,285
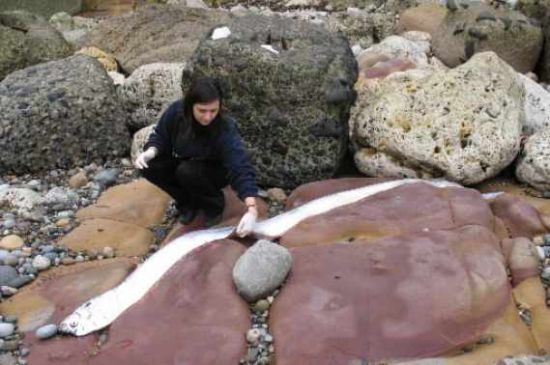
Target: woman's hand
245,226
144,157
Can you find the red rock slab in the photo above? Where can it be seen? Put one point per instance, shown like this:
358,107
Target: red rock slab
138,202
58,291
193,315
94,234
407,208
515,188
401,297
520,218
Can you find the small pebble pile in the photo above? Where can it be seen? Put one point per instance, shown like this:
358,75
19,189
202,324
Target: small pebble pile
260,347
543,250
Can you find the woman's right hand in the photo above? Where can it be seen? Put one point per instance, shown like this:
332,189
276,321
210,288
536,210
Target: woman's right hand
144,157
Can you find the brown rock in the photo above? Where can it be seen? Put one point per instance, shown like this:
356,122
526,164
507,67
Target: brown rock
11,242
63,222
107,60
57,292
398,297
78,180
425,18
192,316
520,218
523,261
94,234
139,202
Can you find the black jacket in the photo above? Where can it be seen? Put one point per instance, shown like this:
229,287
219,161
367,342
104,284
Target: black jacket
172,136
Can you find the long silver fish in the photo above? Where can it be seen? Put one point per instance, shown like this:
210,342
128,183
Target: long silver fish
102,310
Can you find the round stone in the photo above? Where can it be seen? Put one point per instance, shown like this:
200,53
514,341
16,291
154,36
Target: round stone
253,336
108,252
546,273
68,261
46,331
6,329
63,222
11,242
261,305
41,262
10,260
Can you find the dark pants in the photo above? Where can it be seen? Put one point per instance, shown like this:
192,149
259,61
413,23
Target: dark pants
193,184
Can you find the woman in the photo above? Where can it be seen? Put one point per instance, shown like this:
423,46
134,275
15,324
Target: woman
194,151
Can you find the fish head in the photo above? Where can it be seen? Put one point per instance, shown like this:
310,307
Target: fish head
83,320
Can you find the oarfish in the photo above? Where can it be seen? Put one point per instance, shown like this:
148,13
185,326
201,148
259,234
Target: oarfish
102,310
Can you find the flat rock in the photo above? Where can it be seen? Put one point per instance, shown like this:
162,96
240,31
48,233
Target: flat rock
57,292
94,234
11,242
191,311
398,297
138,202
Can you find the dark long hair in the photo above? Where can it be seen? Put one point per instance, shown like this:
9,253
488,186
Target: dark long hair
203,90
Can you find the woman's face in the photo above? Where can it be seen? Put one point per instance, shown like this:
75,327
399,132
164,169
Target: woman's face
204,113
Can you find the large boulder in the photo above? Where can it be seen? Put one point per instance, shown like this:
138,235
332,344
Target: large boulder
59,114
464,124
479,27
159,33
27,39
41,7
289,85
149,90
533,166
537,106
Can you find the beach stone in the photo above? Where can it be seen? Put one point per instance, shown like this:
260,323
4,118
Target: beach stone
27,39
20,281
78,180
46,331
60,95
508,33
107,177
261,269
138,203
159,33
43,8
54,295
41,262
139,140
533,165
11,242
537,106
315,68
10,260
6,329
7,274
22,199
443,124
149,90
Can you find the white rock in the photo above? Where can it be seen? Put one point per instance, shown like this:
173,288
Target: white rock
23,200
6,329
537,106
117,77
533,166
41,262
220,33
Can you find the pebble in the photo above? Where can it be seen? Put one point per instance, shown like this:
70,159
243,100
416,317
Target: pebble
107,177
7,291
68,261
6,329
546,273
11,242
9,223
108,252
78,180
46,331
24,352
10,260
261,305
11,345
20,281
253,336
41,262
63,222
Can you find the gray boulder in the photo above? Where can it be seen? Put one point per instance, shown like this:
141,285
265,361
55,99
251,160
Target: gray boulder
479,28
463,124
290,86
261,270
156,33
27,39
43,8
533,166
149,90
60,114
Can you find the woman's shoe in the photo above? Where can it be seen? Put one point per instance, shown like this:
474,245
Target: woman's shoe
187,215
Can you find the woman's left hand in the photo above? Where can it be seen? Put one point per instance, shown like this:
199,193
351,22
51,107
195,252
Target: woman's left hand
247,223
